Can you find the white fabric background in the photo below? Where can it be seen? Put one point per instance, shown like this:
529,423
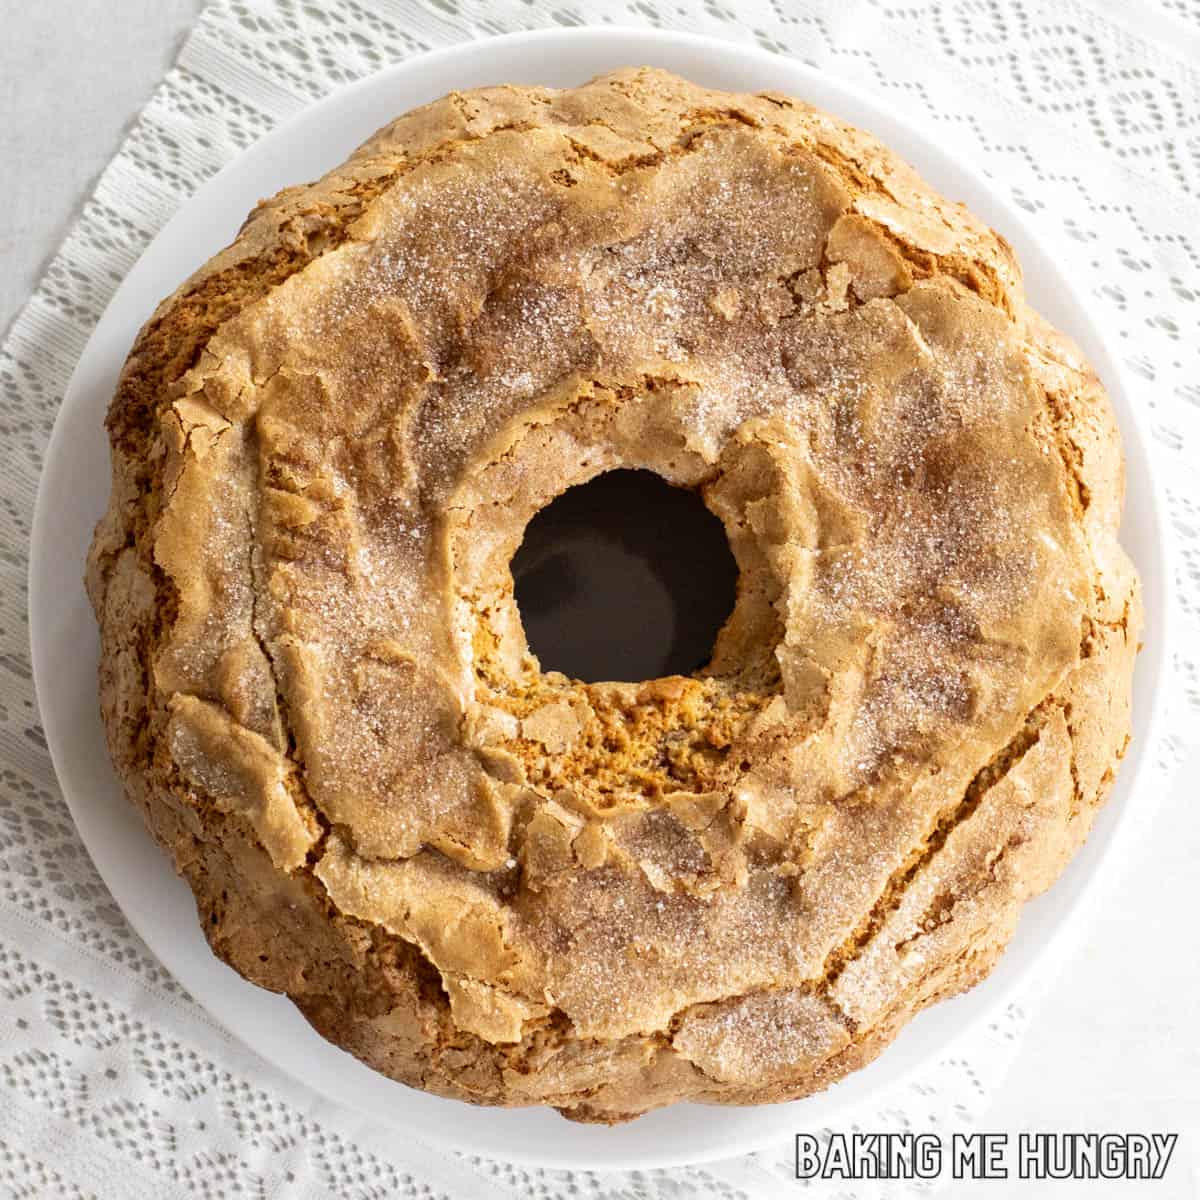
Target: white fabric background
112,1082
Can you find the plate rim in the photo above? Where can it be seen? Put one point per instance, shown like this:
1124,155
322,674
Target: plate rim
1136,441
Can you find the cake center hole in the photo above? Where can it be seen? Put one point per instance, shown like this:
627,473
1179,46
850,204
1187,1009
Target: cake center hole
624,578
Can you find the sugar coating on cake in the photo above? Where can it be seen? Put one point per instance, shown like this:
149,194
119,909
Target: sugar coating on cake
508,886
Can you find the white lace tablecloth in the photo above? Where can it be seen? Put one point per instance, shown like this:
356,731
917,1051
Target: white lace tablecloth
113,1082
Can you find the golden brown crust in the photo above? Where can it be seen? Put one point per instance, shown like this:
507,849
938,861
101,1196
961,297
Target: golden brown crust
507,886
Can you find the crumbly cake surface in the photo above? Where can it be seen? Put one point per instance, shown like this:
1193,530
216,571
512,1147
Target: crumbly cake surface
507,886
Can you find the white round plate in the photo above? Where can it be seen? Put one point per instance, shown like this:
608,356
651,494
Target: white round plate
74,493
